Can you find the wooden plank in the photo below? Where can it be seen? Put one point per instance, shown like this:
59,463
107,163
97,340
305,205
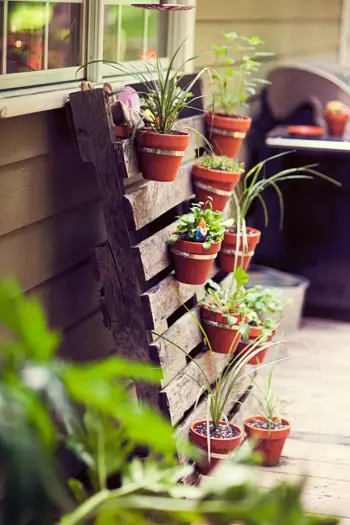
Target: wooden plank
164,299
313,468
23,138
44,249
184,332
33,189
150,199
152,256
68,297
88,340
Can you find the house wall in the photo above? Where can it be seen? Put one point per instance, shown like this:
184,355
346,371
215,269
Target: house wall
50,218
295,29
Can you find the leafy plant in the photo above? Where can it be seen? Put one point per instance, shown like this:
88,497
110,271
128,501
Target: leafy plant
202,225
218,163
261,303
337,108
240,60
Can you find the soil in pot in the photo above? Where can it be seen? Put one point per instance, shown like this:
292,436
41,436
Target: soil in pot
269,442
226,132
245,346
230,250
223,441
215,184
336,123
192,262
160,155
223,337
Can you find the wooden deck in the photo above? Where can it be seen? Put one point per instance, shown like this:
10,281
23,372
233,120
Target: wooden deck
316,384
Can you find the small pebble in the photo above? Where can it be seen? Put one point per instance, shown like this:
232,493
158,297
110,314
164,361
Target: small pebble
221,432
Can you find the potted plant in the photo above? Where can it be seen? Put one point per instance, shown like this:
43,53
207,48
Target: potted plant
240,60
267,431
216,177
224,315
337,115
265,306
240,241
196,242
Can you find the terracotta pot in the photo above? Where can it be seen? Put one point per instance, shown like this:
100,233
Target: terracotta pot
223,338
336,123
228,250
123,132
269,443
215,184
255,332
160,155
219,448
226,133
192,262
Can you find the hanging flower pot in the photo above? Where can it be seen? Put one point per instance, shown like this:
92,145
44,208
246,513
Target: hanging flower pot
223,441
269,442
216,177
226,133
192,261
160,155
337,115
246,346
123,131
224,337
244,254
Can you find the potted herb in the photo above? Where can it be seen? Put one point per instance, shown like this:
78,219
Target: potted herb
240,241
216,177
196,242
240,60
337,115
264,306
224,315
267,431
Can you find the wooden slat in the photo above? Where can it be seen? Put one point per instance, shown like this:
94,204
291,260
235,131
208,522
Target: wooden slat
152,255
23,138
88,340
162,300
182,392
69,296
151,199
315,469
186,333
40,251
33,189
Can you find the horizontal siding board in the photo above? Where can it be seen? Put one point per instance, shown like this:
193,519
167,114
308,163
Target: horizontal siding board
40,251
33,189
271,10
68,297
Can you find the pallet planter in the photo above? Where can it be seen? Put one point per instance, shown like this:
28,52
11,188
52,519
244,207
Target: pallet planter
140,293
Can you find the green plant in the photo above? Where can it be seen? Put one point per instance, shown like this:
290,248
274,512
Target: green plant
202,224
261,303
35,388
240,60
216,162
337,108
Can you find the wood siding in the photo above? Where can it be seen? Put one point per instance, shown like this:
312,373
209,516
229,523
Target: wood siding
50,219
295,29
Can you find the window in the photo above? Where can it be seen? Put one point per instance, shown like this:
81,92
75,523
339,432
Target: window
46,42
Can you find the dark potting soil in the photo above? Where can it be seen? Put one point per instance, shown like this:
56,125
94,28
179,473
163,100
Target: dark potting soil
234,230
222,431
266,425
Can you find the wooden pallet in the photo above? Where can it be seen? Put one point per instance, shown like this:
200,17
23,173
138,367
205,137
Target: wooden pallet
140,293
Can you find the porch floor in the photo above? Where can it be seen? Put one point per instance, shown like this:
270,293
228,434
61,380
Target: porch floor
316,384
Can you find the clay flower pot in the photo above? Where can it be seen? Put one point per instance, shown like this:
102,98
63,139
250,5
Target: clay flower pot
192,262
269,443
229,246
221,335
123,131
336,123
220,448
160,155
258,358
226,133
215,184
